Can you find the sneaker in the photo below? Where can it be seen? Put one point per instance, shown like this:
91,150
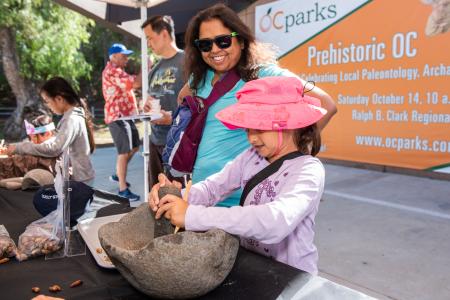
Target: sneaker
114,178
126,193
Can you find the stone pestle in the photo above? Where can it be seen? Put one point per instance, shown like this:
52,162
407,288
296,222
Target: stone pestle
162,225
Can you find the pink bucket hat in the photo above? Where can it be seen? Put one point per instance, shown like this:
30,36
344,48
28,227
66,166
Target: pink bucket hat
272,103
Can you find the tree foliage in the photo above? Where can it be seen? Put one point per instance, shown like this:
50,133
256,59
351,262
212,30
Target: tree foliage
48,39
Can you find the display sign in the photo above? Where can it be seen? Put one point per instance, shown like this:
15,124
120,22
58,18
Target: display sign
385,63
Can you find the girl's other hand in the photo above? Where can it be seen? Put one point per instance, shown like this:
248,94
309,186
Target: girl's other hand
173,208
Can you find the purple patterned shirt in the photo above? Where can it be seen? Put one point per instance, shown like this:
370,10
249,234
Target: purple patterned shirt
277,218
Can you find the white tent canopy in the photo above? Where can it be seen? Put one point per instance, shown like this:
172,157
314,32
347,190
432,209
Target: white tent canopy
135,3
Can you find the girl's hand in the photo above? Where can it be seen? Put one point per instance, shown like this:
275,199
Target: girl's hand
174,209
153,198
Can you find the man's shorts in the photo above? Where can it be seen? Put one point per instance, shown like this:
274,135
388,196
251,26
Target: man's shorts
124,135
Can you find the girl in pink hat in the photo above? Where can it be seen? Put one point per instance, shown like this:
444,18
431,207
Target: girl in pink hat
281,179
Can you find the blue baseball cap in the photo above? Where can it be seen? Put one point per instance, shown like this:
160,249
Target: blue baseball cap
119,48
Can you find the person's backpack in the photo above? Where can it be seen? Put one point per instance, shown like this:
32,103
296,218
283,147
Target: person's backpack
188,123
180,121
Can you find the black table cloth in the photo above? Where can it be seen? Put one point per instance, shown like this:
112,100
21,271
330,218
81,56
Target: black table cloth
253,276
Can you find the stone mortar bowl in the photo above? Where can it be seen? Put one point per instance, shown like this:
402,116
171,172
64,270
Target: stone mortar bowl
182,265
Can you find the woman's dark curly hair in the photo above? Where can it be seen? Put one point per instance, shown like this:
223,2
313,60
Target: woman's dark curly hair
253,54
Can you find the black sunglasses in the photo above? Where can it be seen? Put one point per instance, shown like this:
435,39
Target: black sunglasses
222,41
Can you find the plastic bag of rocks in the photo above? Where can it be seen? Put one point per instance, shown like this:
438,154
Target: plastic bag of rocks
7,245
41,237
45,235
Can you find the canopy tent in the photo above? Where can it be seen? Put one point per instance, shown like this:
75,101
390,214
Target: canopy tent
127,16
124,15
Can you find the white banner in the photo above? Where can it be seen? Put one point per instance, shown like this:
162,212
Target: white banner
289,23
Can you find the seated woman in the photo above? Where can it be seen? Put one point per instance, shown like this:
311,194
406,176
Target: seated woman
40,129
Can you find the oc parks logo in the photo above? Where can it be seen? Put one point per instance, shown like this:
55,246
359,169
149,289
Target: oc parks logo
267,21
313,14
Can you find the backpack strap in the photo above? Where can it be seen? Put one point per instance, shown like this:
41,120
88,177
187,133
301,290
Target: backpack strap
183,159
265,173
220,88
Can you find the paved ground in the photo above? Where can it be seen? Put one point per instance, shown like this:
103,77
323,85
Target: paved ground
387,235
104,160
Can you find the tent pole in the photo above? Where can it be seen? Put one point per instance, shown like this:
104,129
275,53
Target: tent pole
144,70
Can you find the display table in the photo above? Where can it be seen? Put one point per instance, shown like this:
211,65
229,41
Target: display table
252,277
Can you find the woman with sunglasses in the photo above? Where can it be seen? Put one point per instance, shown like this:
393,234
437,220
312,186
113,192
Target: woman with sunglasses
216,42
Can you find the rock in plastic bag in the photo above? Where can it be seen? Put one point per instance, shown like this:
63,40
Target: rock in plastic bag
7,245
39,238
45,235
